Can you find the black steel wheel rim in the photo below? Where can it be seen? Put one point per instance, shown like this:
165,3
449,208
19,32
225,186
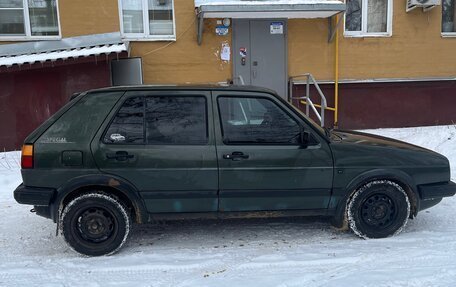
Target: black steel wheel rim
378,210
95,225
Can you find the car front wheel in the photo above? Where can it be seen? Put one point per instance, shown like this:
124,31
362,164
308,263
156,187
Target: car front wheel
378,209
95,224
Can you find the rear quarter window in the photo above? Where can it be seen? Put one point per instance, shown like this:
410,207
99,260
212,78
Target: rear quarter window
82,120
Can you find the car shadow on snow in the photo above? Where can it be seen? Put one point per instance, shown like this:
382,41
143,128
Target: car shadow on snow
253,232
211,233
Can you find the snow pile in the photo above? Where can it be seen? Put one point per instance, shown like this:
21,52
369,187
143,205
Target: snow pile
266,252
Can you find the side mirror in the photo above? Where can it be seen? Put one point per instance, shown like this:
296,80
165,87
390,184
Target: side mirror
304,139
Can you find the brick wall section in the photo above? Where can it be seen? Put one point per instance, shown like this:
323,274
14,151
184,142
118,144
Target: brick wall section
387,105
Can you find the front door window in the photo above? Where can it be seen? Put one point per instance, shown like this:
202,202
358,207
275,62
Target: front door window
256,121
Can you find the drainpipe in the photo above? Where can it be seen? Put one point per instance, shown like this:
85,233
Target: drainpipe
336,77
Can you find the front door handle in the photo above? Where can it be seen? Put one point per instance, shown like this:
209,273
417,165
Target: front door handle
120,156
236,155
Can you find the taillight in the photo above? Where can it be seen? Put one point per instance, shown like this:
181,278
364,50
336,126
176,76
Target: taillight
27,156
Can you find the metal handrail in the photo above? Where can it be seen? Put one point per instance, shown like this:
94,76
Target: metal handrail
241,79
309,104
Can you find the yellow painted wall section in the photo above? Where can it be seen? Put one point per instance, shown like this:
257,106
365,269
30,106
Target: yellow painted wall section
82,17
416,49
184,61
309,50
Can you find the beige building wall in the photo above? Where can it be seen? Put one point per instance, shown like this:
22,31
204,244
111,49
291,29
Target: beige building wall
416,48
309,50
82,17
183,61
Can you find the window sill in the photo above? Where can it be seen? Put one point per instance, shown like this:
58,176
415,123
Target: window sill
150,39
372,35
449,35
25,38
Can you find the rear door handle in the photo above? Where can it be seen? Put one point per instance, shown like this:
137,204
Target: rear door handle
119,155
236,155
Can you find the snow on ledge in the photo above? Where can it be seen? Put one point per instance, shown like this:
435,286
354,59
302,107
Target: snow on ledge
53,56
198,3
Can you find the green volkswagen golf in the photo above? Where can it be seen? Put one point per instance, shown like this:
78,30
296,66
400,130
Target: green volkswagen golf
115,156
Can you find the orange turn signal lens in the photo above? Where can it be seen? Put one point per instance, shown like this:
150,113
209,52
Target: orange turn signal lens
27,156
27,150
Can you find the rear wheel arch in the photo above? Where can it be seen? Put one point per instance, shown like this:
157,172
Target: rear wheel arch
120,189
402,179
95,224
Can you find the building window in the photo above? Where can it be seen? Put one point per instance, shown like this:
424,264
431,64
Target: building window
28,19
368,18
147,19
448,13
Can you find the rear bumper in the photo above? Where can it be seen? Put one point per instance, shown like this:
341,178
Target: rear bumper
33,195
437,190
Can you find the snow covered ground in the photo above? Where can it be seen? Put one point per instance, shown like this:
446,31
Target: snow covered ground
274,252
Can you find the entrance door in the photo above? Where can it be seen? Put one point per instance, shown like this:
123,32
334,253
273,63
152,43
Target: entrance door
260,56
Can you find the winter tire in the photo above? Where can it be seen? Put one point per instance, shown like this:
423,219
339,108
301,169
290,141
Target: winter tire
95,224
378,209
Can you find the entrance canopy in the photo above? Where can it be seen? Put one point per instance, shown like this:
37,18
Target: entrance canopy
266,9
285,9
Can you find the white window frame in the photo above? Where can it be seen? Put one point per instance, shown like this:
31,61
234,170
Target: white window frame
446,34
363,33
28,30
145,36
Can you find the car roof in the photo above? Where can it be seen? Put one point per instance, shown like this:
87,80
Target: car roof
184,87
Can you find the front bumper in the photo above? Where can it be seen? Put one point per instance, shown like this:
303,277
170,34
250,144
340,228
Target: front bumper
437,190
37,196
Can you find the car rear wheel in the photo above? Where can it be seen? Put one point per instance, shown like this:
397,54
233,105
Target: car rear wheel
95,224
378,209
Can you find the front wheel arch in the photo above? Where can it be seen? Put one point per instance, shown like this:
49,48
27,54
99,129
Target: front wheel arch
339,219
378,209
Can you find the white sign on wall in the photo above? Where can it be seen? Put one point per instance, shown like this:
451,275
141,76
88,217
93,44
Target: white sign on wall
276,27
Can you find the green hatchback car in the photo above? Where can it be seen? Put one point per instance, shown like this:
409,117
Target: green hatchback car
115,156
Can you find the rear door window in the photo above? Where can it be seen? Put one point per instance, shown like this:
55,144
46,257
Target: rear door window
160,120
176,120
